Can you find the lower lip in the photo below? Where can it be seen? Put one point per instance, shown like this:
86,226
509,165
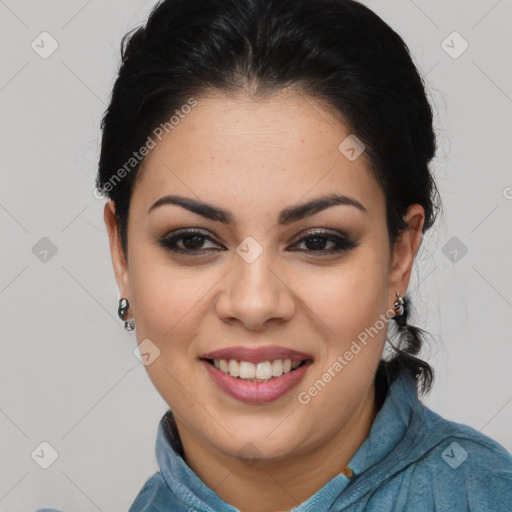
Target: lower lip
257,392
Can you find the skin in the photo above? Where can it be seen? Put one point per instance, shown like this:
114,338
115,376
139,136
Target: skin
255,157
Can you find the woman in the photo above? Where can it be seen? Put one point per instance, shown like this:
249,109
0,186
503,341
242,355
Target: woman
266,165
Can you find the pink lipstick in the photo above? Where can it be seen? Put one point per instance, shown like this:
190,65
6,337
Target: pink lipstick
256,375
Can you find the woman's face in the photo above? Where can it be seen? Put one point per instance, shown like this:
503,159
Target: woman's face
263,278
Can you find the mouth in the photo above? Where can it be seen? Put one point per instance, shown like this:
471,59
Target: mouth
256,375
264,371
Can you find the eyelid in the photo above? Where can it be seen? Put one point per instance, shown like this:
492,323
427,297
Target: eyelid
342,240
304,233
322,232
181,233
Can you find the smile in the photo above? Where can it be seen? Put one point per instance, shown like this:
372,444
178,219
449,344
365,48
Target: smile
256,375
259,372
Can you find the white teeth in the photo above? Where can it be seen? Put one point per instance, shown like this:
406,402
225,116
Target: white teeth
277,368
233,368
247,370
264,370
254,372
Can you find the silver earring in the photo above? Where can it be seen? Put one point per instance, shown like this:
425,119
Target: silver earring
400,306
122,311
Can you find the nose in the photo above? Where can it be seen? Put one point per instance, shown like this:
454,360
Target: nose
255,294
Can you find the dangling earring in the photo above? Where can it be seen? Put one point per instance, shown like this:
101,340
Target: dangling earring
401,307
122,311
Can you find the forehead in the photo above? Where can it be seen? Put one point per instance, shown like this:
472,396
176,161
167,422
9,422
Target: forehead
276,150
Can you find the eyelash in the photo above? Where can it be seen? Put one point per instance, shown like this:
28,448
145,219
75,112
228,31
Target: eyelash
343,242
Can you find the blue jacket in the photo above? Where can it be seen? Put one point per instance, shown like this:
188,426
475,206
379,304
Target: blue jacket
412,460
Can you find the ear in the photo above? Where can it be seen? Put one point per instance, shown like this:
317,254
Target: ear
405,250
119,260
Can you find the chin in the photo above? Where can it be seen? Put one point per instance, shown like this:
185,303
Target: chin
269,440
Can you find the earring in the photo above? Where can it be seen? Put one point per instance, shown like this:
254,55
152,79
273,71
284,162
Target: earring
401,307
122,311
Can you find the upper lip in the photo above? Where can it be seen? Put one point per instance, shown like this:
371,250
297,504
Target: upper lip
257,354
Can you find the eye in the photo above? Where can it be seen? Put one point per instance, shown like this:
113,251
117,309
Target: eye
187,241
191,242
317,241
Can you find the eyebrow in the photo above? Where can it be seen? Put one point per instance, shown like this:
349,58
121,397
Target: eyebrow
287,216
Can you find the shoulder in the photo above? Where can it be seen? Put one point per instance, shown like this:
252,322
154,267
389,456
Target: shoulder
154,496
469,445
465,464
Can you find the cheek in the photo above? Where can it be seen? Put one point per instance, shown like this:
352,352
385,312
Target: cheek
344,373
168,311
352,307
166,297
350,297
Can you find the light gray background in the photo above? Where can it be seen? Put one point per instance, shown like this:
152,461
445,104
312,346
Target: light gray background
68,375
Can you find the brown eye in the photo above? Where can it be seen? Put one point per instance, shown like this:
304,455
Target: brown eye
317,241
192,242
189,241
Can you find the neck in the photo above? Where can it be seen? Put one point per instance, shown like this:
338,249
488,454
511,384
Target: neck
274,486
